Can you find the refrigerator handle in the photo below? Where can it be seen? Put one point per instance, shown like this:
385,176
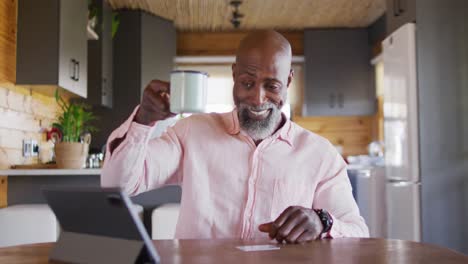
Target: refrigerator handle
331,100
340,100
401,183
401,8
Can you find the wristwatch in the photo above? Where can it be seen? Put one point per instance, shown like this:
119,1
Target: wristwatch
326,219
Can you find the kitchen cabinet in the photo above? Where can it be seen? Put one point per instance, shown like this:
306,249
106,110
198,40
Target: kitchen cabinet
339,79
52,45
100,83
400,12
144,49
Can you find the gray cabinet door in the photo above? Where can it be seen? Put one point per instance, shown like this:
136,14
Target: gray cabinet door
37,43
59,26
355,85
107,60
80,47
144,48
73,46
338,74
100,59
320,72
400,12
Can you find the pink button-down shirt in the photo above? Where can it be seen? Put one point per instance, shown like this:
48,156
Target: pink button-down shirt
229,185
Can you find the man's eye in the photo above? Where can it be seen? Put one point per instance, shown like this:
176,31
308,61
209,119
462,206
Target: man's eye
247,84
273,87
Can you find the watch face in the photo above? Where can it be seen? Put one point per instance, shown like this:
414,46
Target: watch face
329,221
326,219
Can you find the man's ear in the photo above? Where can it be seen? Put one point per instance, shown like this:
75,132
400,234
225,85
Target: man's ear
290,77
234,71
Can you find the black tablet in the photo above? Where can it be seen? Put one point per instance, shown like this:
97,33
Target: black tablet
98,225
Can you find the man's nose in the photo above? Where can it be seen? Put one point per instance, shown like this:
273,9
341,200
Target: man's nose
258,96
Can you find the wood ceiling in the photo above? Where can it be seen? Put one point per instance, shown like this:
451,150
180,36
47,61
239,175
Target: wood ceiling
215,15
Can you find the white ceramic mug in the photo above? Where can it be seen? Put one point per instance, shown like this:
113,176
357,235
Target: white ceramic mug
188,91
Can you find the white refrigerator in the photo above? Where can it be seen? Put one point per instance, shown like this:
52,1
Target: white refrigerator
403,188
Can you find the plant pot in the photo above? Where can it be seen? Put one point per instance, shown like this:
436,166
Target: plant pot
71,155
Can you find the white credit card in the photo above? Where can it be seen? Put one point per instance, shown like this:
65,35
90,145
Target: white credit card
258,247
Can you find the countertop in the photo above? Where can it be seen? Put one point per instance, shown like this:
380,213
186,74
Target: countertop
50,172
361,167
78,172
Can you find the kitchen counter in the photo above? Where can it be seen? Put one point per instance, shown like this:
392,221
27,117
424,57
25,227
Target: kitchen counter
50,172
359,167
24,186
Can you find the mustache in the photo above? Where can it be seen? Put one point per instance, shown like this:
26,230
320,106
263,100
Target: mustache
265,106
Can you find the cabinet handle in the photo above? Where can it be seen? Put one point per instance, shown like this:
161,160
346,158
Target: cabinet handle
75,70
104,87
71,69
340,100
396,9
331,101
401,7
77,77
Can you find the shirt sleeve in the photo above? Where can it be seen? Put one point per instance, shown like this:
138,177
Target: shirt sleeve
334,194
142,162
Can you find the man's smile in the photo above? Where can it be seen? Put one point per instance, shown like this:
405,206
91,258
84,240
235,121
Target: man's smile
258,114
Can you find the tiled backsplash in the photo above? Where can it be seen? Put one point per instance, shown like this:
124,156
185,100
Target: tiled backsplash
23,115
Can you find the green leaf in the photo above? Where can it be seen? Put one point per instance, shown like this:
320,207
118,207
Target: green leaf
74,120
115,23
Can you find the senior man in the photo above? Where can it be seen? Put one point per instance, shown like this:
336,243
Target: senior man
244,174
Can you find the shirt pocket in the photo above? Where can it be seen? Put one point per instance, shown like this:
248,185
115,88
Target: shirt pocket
290,192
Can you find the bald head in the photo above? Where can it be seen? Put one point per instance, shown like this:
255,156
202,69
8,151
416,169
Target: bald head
265,49
262,73
266,43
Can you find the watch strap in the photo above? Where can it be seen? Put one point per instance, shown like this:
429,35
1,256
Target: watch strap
326,219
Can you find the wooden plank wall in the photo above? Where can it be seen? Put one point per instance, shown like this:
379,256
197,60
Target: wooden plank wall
8,41
7,66
225,43
3,191
353,133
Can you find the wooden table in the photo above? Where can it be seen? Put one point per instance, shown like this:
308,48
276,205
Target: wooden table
346,250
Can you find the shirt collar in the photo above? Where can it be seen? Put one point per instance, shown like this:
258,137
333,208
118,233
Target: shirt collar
231,121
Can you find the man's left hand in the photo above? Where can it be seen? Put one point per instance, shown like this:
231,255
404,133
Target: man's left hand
296,224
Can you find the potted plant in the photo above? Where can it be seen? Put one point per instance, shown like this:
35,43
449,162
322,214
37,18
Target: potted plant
71,151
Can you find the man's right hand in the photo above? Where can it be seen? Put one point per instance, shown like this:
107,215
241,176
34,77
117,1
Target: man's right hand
155,103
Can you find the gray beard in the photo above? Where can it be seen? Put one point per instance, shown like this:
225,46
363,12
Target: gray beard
259,129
